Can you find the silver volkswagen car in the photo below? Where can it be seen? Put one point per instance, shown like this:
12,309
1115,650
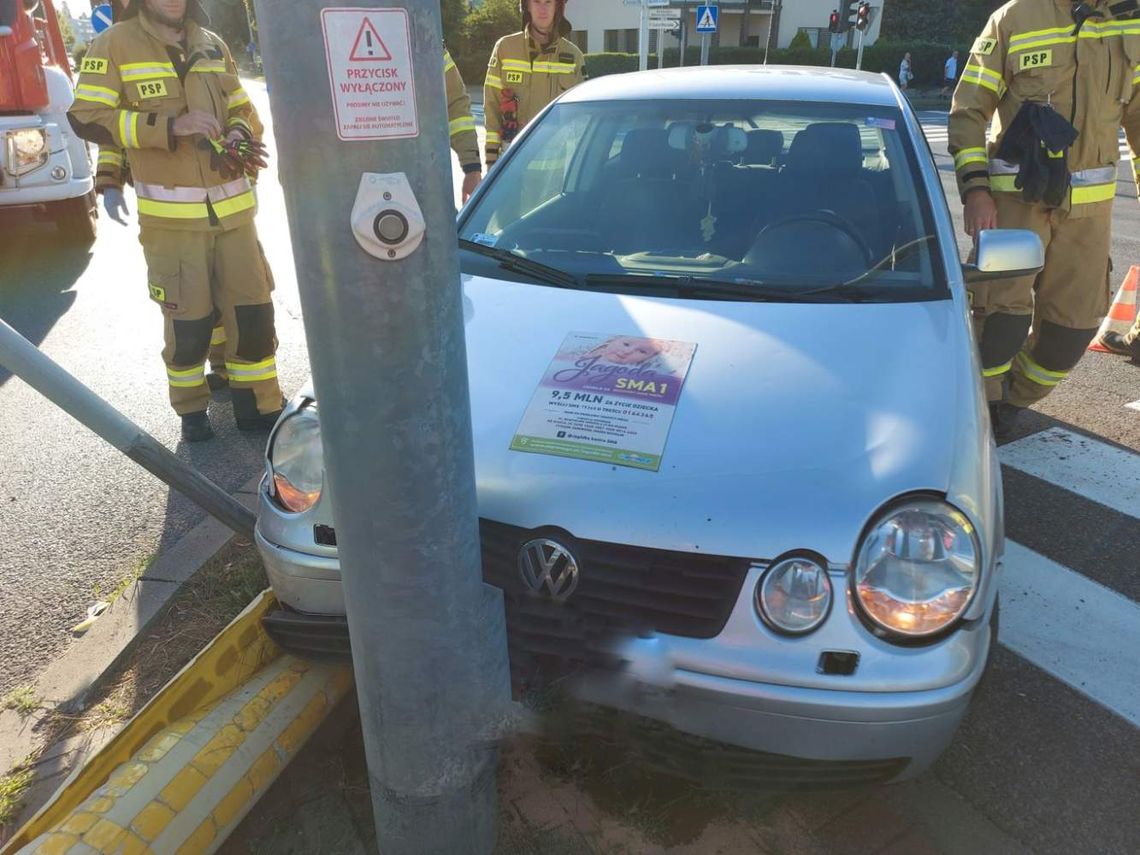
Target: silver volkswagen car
731,445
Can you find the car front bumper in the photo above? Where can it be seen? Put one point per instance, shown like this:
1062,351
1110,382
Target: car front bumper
842,736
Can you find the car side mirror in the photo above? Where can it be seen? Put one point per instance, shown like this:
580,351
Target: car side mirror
1005,253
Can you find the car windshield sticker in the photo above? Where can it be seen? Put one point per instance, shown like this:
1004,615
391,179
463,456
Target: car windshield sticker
885,124
607,398
486,240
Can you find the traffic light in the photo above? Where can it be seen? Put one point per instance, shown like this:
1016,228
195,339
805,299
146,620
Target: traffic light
833,22
863,16
850,15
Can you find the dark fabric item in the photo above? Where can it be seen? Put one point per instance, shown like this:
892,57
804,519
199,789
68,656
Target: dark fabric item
1115,342
1002,337
255,332
1038,140
1003,419
1059,348
91,131
192,340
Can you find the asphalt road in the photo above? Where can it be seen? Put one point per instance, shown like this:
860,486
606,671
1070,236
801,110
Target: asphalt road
1049,753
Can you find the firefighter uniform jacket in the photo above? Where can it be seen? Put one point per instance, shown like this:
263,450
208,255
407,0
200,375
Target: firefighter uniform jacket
460,121
1032,50
525,78
132,85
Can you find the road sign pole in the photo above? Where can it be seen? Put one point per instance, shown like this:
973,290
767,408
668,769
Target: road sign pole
643,38
705,48
358,105
859,55
684,38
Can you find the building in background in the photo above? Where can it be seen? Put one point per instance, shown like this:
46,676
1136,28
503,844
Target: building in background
610,26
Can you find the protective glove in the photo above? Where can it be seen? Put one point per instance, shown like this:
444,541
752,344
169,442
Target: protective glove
221,161
115,204
251,154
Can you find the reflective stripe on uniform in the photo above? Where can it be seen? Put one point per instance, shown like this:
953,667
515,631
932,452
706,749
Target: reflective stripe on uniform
1040,376
98,94
186,378
980,76
239,122
237,98
192,194
448,62
1088,194
1042,38
1097,184
1003,183
129,128
970,155
997,370
514,65
209,66
110,158
251,372
554,67
140,70
218,336
1136,76
493,81
196,210
493,138
463,123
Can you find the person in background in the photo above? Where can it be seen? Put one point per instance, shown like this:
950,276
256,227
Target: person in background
905,75
949,74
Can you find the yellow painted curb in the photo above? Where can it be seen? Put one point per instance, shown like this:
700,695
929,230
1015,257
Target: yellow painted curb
188,767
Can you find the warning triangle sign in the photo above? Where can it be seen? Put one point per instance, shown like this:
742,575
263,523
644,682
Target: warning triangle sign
368,47
707,21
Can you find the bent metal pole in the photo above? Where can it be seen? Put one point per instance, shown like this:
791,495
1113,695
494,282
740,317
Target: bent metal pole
360,119
25,360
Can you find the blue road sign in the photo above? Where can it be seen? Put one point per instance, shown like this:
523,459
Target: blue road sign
706,19
101,17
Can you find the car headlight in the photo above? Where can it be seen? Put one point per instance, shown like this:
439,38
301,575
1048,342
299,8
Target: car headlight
794,596
27,150
917,568
296,460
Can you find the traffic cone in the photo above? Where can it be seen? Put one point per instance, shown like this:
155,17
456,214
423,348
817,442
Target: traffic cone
1123,312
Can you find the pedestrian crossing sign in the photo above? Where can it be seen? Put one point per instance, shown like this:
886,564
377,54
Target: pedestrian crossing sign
706,19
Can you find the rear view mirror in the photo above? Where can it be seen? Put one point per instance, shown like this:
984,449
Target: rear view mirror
1005,253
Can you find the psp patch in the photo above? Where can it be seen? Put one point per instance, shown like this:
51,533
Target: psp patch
514,77
158,294
152,89
984,46
1035,59
93,65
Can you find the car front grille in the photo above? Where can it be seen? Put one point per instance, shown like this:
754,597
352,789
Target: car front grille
622,590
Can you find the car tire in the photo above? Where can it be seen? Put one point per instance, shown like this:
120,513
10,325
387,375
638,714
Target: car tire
76,219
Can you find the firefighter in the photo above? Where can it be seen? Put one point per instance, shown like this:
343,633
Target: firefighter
1059,80
461,126
527,70
166,90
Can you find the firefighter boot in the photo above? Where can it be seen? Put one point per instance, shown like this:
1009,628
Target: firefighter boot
1118,343
196,427
1003,419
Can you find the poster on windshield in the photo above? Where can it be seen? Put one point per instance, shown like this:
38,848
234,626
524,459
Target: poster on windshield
607,398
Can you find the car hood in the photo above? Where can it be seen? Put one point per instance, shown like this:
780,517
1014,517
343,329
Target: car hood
795,424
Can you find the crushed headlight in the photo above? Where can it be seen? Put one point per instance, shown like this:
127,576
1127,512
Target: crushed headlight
296,461
917,568
27,150
794,596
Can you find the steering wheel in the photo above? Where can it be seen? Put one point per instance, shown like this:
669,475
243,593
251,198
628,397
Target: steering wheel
825,217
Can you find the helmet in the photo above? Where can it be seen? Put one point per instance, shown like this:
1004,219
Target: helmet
194,11
561,25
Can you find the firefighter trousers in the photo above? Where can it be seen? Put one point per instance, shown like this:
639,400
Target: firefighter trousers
1033,330
199,278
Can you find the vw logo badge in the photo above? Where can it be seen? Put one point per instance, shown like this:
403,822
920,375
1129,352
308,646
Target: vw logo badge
547,565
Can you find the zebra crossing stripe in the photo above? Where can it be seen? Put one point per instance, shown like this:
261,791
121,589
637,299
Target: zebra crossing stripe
1080,632
1104,473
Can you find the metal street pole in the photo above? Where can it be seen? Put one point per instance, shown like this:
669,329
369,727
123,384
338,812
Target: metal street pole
684,35
834,47
859,55
359,114
661,48
643,38
705,48
25,360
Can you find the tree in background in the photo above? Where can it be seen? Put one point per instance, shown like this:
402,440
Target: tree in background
66,32
454,16
484,25
947,21
229,19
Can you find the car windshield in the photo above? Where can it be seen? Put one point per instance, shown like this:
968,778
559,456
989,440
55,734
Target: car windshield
732,198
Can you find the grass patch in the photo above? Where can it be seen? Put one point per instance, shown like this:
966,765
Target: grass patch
12,789
23,700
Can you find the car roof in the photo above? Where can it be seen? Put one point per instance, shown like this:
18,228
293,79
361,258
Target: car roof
754,82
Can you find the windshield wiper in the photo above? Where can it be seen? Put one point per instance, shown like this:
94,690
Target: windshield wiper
891,258
520,264
696,286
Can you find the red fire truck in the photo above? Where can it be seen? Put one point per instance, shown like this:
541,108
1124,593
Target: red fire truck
45,169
